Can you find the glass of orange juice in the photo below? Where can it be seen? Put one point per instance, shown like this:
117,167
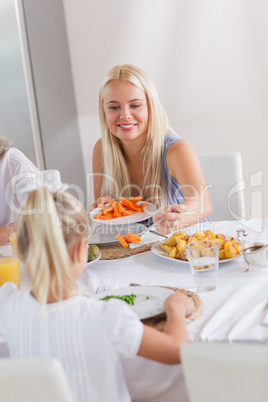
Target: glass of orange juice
11,230
9,267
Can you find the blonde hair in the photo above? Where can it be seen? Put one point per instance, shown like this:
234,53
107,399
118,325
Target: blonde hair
5,144
116,177
49,227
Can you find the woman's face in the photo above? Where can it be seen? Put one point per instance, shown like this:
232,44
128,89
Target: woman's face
126,110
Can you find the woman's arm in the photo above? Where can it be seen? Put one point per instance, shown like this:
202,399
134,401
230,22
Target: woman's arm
183,165
165,346
97,166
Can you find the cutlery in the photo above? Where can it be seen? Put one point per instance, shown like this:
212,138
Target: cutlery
149,229
100,289
190,289
159,234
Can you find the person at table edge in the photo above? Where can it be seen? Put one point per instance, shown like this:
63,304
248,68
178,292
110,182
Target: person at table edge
18,175
139,153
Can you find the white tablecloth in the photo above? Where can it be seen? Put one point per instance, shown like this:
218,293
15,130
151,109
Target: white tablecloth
233,312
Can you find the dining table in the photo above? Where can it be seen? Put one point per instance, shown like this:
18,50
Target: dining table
236,311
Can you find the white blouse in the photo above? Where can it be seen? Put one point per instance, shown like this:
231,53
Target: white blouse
89,337
18,176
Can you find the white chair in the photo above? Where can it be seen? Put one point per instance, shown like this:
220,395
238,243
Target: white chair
221,372
37,379
224,178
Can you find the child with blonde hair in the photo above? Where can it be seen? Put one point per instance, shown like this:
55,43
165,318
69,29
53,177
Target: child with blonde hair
55,319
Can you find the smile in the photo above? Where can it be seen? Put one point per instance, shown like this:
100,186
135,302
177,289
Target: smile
126,125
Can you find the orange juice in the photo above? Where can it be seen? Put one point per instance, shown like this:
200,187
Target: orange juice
9,270
13,242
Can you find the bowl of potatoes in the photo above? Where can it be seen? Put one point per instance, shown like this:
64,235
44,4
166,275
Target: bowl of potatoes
175,245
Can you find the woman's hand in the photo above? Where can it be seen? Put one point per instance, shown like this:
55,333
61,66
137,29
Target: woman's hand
172,217
3,236
177,302
101,201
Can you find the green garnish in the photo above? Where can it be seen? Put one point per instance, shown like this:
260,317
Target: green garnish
147,297
130,299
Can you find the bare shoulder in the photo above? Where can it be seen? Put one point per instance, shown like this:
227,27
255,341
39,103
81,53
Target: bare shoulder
98,147
180,153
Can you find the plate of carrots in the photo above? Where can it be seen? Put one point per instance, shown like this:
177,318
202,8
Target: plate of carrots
123,211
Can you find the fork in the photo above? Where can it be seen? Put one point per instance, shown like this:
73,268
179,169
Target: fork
150,229
100,289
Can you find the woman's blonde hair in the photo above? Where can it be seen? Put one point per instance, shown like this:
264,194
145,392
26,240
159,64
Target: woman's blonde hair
116,179
49,228
5,144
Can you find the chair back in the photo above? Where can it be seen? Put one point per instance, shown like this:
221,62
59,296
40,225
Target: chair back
224,178
221,372
36,379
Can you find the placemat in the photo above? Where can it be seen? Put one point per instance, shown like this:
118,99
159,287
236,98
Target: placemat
113,251
160,321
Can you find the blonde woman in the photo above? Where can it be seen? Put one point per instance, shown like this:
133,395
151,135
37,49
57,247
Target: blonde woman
18,176
139,154
54,319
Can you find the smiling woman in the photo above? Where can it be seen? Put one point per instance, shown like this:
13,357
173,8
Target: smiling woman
139,153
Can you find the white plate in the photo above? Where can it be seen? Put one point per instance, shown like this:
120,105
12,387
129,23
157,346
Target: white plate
157,250
143,307
149,211
105,234
95,259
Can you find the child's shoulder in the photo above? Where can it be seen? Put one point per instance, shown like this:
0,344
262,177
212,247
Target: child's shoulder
7,288
6,291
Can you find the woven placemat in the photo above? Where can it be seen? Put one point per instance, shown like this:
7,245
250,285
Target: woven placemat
113,251
159,322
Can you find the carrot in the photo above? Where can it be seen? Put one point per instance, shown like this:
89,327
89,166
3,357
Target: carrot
122,240
111,203
123,207
132,238
120,209
116,212
136,199
128,204
98,216
134,235
107,216
142,205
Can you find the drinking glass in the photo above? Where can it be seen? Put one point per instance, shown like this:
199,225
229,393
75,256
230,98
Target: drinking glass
203,256
9,266
11,229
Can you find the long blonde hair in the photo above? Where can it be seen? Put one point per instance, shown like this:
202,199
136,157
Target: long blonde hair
116,177
49,226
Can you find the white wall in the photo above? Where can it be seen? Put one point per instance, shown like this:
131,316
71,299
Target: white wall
209,62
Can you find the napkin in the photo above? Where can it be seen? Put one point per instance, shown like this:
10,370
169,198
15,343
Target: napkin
249,328
265,318
147,239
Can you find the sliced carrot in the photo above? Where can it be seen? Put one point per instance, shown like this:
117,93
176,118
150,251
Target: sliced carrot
122,240
134,235
128,204
99,214
120,209
117,214
136,199
107,210
123,207
142,205
110,203
107,216
131,238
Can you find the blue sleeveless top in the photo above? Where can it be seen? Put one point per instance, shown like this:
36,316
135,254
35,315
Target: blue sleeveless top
173,189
